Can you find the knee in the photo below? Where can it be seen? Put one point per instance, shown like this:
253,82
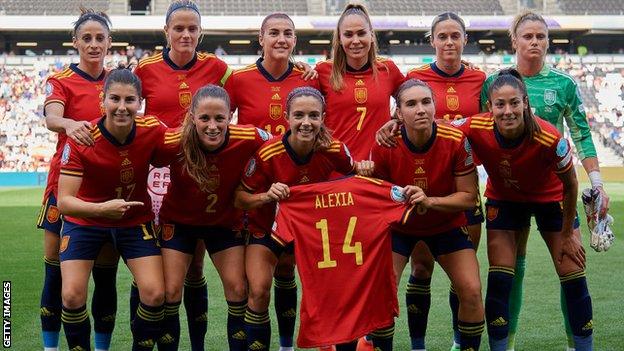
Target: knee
173,292
235,290
471,297
260,295
73,297
421,270
196,270
152,296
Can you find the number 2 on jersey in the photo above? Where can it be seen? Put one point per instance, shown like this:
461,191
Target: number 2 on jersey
212,201
347,247
362,111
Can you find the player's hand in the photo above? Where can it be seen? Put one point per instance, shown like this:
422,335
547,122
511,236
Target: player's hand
365,168
571,246
115,209
80,132
278,191
386,135
604,205
469,64
415,195
308,71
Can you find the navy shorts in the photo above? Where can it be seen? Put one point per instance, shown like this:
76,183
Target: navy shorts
265,239
79,242
506,215
439,244
475,215
50,216
182,237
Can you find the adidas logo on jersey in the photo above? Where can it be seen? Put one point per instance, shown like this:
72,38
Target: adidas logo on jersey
257,345
419,170
498,322
291,313
240,335
183,86
450,90
304,179
359,83
276,96
126,162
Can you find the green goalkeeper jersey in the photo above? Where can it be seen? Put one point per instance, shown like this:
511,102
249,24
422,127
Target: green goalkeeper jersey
554,96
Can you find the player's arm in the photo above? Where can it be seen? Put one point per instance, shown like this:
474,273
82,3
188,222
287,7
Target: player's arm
245,199
462,199
69,204
79,131
571,245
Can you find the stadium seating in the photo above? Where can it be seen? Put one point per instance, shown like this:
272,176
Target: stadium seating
50,7
592,7
434,7
252,7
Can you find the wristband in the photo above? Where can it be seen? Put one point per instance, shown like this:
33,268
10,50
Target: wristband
595,179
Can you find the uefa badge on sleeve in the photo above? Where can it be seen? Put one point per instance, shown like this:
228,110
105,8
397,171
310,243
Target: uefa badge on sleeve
65,155
251,167
396,193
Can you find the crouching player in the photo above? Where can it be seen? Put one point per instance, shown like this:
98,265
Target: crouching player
103,196
199,205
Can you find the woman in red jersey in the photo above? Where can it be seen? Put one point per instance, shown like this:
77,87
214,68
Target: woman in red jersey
271,79
170,79
307,153
434,163
68,108
199,205
456,89
103,197
531,172
356,83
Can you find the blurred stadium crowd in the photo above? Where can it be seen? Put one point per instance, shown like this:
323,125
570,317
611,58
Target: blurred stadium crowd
27,146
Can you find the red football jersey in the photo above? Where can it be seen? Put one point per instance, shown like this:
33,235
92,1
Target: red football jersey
355,113
456,96
260,98
168,89
432,168
524,172
186,203
343,253
110,170
276,161
81,96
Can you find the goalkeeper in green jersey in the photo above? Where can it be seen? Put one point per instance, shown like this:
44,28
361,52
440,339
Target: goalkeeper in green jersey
554,96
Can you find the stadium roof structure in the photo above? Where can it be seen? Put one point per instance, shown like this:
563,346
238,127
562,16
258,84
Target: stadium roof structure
310,23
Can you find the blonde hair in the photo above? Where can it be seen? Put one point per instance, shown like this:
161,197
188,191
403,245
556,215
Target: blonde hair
526,15
193,154
324,137
339,66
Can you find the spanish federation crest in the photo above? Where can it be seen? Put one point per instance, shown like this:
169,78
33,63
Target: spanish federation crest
126,175
361,95
550,97
396,193
452,102
275,111
185,98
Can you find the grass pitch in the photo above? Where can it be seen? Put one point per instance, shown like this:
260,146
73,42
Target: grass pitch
541,325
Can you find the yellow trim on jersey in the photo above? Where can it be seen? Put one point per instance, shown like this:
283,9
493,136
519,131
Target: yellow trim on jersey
205,55
419,68
370,179
95,134
541,141
545,137
250,131
173,137
150,60
51,101
241,137
67,72
407,214
245,69
278,239
450,130
270,148
465,172
71,173
277,151
444,134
